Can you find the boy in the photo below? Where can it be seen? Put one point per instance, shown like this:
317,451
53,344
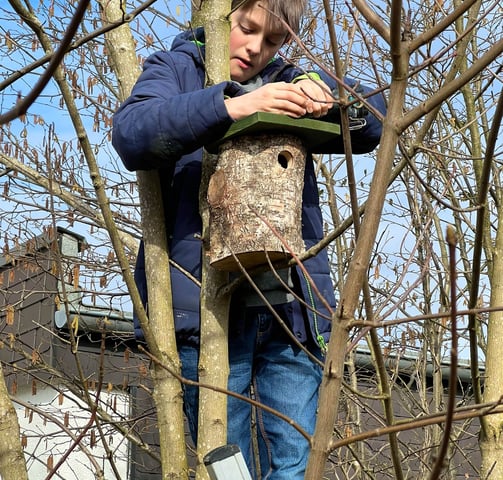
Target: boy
165,123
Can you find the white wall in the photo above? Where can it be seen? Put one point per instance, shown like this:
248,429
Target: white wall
44,437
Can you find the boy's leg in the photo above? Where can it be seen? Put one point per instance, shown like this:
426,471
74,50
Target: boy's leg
189,358
288,380
241,348
242,336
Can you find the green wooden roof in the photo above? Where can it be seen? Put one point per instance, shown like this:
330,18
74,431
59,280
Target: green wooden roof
316,134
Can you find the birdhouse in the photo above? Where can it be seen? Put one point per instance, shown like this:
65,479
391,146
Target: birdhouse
255,192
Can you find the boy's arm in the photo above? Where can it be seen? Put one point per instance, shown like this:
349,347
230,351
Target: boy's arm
367,129
164,119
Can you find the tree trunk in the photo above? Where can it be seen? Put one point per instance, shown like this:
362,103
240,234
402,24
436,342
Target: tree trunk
491,443
358,268
213,360
167,390
12,464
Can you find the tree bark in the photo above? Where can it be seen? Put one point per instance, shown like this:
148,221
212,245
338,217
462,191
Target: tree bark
12,463
167,389
491,442
213,360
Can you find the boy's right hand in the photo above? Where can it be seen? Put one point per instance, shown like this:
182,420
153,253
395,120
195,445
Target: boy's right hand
280,97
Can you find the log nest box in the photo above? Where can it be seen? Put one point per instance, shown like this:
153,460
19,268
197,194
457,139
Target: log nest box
255,192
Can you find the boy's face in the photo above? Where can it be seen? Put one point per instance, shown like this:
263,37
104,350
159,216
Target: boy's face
253,41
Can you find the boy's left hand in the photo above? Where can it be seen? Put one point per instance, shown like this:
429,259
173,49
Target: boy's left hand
319,99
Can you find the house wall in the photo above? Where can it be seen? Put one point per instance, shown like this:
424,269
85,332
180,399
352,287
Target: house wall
42,372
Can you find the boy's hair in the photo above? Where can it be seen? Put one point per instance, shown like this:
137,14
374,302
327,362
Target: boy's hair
290,11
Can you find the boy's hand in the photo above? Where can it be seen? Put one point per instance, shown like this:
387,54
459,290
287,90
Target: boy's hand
319,95
295,100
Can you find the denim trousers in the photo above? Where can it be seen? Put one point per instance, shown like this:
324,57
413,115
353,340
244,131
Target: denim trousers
264,363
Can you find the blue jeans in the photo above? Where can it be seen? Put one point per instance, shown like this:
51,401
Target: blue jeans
263,360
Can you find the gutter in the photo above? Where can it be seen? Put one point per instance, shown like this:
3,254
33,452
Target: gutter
95,320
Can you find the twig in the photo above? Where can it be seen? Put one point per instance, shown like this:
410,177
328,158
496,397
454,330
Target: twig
295,258
472,411
252,402
22,105
451,403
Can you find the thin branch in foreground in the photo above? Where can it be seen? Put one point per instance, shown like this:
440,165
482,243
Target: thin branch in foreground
22,105
451,402
252,402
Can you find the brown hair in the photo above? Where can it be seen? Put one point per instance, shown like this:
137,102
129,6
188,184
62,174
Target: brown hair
290,11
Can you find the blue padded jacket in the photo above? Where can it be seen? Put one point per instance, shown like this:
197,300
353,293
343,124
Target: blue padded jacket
164,124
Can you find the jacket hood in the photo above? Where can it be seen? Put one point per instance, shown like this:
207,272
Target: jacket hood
191,42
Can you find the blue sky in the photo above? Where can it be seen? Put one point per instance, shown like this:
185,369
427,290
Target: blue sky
153,35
